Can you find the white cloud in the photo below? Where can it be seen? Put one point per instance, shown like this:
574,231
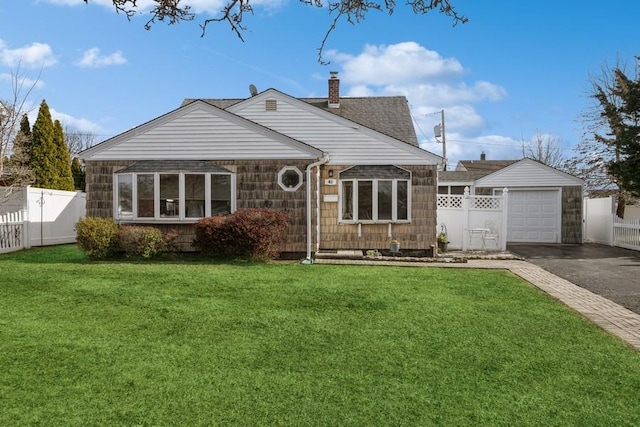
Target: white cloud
431,83
92,59
402,63
35,55
79,124
24,82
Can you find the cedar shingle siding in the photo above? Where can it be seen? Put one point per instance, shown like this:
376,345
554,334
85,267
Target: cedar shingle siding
419,235
257,187
571,215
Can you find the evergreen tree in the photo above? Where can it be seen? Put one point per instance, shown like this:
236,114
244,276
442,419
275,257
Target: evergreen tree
621,109
64,179
17,166
25,130
42,150
78,174
608,156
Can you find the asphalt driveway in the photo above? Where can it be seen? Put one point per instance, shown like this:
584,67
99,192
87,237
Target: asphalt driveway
611,272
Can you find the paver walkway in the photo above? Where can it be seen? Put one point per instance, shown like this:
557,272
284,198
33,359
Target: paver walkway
612,317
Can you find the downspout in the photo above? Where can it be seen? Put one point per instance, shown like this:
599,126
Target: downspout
322,161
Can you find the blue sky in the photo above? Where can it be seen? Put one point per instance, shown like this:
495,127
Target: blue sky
516,69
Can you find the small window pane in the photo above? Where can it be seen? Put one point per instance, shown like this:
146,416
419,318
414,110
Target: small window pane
194,195
385,200
403,200
347,200
220,194
146,206
290,179
125,196
169,195
365,200
457,189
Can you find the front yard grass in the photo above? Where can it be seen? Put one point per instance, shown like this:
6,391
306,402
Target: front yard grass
190,342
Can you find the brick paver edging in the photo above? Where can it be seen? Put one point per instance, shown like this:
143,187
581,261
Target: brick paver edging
612,317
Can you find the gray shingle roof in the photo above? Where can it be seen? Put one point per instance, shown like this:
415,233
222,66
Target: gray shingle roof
389,115
483,165
461,176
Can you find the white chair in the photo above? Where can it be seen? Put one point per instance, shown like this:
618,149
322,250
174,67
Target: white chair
493,235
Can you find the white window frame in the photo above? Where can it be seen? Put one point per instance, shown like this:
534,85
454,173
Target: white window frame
374,220
292,169
181,217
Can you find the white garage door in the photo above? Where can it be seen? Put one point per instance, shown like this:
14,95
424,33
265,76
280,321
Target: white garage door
534,216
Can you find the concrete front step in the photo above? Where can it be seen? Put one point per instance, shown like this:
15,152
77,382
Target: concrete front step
339,254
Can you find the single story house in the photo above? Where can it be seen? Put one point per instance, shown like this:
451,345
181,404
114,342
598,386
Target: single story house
349,171
544,203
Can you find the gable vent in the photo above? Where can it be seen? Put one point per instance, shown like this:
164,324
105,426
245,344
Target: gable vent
271,105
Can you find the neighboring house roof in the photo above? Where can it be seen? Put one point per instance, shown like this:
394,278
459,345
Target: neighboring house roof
483,165
517,173
452,177
389,115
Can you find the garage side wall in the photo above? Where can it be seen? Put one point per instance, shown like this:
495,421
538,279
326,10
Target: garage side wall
571,215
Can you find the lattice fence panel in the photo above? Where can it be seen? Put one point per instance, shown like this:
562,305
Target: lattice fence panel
488,203
452,202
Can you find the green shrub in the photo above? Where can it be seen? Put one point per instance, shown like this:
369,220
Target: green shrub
140,242
248,233
97,237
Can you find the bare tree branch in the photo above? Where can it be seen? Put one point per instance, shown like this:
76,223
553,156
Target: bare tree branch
353,11
78,141
545,149
12,110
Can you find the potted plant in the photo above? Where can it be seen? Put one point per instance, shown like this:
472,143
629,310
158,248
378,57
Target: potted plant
443,238
394,246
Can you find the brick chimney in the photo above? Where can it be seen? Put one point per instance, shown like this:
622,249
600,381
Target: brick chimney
334,90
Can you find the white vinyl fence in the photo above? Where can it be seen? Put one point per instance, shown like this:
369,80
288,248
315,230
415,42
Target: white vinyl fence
601,225
39,216
626,233
12,231
474,222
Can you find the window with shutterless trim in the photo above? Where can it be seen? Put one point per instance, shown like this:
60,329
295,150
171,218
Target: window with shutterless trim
376,194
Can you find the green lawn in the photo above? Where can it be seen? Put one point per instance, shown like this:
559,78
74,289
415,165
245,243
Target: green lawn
188,343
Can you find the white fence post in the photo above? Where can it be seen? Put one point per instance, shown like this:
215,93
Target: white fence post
505,218
465,218
26,227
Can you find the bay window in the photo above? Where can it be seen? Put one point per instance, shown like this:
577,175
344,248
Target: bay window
375,194
168,194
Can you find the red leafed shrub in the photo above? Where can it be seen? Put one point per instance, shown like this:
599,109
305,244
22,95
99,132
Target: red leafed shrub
213,236
247,233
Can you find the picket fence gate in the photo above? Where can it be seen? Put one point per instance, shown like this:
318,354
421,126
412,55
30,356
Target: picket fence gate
13,232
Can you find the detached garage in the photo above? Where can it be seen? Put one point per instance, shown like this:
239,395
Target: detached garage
545,204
